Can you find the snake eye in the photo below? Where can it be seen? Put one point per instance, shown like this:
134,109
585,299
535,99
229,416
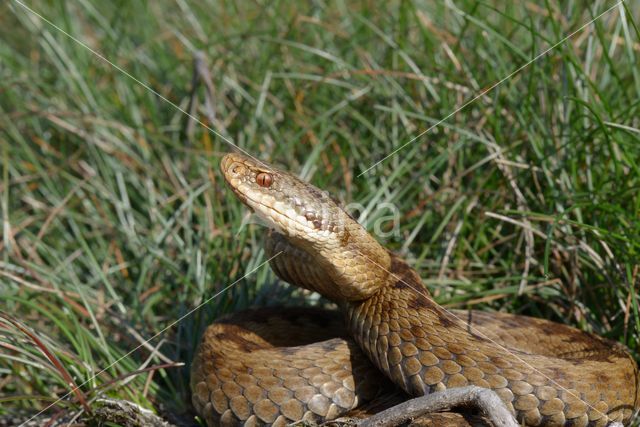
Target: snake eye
264,179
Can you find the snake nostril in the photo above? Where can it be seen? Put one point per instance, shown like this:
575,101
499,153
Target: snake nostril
237,169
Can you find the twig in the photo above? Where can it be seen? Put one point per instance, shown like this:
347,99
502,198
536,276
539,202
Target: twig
200,75
521,202
484,399
107,386
452,242
126,413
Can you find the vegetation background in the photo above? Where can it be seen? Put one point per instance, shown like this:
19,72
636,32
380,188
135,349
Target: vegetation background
116,222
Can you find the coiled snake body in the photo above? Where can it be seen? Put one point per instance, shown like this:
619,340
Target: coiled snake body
277,367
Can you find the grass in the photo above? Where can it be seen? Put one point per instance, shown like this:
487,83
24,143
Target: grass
116,221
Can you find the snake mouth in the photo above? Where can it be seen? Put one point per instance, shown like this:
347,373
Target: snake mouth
275,218
285,203
240,173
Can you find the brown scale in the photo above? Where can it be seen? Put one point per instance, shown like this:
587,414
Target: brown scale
228,392
579,379
421,347
272,367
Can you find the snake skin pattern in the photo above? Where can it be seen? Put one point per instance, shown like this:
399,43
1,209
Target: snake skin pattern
274,368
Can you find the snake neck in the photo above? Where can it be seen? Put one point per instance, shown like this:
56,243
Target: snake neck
352,267
356,263
402,322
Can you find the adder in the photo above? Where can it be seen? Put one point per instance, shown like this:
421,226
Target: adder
278,366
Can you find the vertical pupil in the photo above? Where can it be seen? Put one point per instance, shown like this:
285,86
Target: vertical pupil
263,179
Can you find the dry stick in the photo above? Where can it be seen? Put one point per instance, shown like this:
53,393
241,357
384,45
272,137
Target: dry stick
102,388
200,64
484,399
521,202
127,413
201,75
452,242
189,124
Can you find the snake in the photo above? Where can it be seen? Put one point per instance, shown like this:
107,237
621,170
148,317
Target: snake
276,366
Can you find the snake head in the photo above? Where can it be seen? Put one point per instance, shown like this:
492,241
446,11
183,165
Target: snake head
291,206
